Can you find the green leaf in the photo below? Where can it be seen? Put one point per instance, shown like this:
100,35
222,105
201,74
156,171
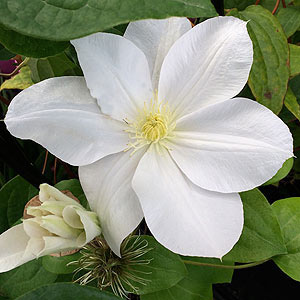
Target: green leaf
67,291
65,20
73,185
5,54
65,277
197,285
294,84
261,237
21,80
29,46
270,72
289,19
119,30
58,265
188,289
294,60
288,214
13,197
25,278
283,172
292,104
239,4
72,55
269,4
210,274
52,66
246,93
243,4
164,270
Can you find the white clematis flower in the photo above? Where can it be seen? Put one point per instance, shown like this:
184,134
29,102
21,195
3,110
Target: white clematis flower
156,133
58,224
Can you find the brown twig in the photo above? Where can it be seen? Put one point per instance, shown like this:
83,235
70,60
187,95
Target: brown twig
275,7
4,100
54,170
283,3
45,162
68,170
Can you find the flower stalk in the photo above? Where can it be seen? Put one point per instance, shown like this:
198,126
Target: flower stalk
243,266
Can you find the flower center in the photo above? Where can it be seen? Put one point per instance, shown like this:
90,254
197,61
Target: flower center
155,127
154,124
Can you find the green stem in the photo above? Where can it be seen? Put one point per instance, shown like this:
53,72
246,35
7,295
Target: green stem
244,266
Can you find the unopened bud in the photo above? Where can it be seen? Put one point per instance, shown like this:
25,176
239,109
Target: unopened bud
60,223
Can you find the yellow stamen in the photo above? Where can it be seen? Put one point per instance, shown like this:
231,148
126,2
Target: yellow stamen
154,123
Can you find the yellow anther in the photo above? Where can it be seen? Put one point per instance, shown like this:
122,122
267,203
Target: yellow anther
155,127
154,123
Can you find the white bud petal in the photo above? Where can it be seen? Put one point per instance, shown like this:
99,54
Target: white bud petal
48,192
34,247
59,227
58,224
91,225
71,216
55,244
33,228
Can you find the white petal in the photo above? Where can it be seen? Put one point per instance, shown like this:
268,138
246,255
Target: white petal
155,38
116,72
13,244
208,64
231,146
107,186
56,244
91,229
183,217
60,114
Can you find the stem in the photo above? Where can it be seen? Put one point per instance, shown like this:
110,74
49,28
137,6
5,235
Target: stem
244,266
283,3
24,62
257,2
68,170
4,100
54,170
45,162
276,7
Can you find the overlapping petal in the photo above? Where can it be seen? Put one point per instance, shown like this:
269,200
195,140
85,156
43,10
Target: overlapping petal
208,64
231,146
107,185
155,38
116,72
12,252
91,230
60,114
183,217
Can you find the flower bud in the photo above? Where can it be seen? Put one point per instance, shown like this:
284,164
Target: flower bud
59,224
